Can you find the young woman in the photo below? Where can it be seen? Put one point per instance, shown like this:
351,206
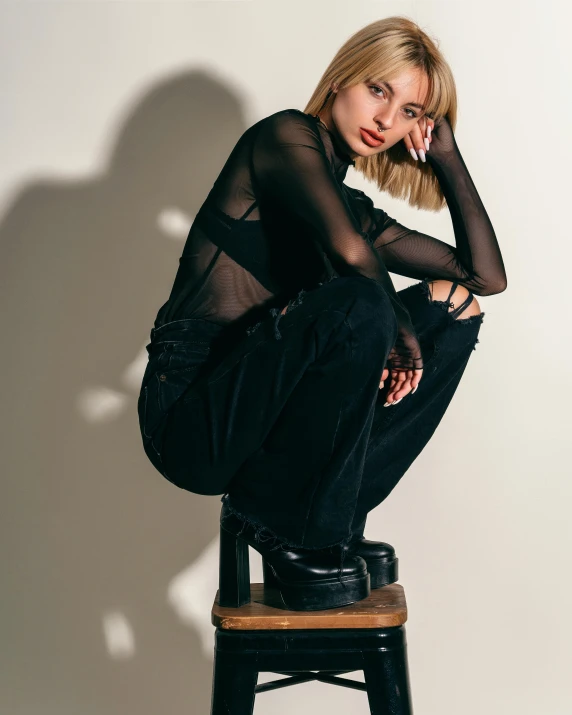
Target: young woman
285,372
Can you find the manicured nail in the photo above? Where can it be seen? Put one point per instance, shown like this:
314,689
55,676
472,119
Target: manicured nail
426,143
387,404
413,154
413,391
428,130
422,154
398,401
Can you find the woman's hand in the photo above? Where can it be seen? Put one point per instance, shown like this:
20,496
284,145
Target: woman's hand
402,383
428,136
404,361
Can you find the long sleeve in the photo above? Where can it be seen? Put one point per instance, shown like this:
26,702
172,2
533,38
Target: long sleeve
290,165
475,262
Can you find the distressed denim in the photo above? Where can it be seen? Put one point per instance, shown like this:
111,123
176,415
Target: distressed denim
286,420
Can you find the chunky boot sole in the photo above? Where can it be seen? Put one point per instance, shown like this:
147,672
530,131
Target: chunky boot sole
382,573
312,595
317,595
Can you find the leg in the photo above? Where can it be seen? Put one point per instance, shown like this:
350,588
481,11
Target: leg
461,302
234,684
283,426
386,675
448,327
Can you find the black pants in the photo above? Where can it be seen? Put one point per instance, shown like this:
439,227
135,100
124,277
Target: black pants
289,424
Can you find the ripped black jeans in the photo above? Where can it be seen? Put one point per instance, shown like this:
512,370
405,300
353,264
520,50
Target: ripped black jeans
287,422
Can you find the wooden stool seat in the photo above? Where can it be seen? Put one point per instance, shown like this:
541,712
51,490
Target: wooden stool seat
383,608
262,636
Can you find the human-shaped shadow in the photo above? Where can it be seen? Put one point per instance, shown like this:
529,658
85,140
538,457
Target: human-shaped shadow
92,535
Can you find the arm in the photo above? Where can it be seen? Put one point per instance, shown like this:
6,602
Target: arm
475,262
290,165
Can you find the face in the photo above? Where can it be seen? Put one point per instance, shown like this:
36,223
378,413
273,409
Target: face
372,103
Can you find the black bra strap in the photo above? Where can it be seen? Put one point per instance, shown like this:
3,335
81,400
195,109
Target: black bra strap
465,304
453,289
248,210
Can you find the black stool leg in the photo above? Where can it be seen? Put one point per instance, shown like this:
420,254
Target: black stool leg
386,675
234,685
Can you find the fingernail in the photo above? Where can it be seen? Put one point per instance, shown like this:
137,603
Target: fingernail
422,154
413,391
387,404
398,401
428,130
426,143
413,153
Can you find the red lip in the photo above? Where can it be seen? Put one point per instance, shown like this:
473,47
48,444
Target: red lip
374,135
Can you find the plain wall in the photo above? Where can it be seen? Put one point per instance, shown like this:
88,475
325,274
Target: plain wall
116,118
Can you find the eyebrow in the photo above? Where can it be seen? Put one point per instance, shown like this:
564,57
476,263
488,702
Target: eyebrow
411,104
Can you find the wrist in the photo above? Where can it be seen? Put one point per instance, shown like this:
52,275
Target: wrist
441,158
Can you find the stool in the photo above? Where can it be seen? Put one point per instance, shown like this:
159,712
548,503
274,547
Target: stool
261,636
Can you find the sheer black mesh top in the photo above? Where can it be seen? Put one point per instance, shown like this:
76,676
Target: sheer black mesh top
279,218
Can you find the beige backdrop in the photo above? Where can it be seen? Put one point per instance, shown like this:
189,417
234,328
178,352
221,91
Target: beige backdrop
116,118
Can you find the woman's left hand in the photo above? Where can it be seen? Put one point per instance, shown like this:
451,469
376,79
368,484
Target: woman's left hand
418,140
399,380
428,136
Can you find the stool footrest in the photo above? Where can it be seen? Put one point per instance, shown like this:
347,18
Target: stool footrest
295,679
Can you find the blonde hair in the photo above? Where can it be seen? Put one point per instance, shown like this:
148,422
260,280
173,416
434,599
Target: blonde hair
381,50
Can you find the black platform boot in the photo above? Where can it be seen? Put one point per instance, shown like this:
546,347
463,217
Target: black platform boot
380,559
306,579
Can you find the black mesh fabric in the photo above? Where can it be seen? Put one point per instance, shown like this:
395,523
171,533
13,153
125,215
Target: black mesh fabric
280,218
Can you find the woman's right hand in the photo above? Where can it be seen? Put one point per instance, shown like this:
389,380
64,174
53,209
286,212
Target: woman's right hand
404,363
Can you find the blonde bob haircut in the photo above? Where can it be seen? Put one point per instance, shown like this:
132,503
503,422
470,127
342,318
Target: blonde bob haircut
380,51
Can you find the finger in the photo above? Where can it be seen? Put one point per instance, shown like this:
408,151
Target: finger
408,385
416,379
404,387
407,139
425,132
391,389
398,377
416,137
404,390
408,143
430,127
427,129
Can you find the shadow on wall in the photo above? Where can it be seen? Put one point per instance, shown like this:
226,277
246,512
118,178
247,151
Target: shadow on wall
101,553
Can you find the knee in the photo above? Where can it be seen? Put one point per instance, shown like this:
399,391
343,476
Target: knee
361,299
440,289
362,306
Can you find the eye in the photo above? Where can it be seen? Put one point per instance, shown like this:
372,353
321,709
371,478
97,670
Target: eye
375,86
